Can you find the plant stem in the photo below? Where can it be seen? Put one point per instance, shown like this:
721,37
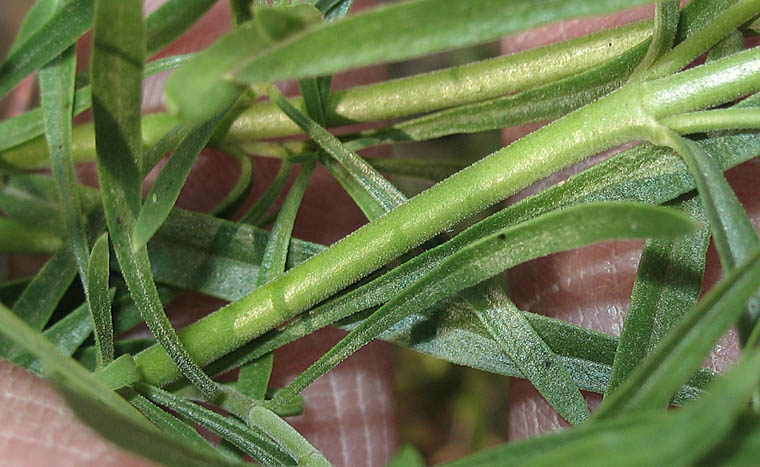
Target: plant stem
713,120
397,98
285,435
625,115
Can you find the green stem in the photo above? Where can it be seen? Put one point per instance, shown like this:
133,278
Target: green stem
625,115
286,436
688,50
712,120
397,98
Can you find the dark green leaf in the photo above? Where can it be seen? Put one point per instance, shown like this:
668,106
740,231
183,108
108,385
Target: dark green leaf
99,300
40,298
47,42
685,346
254,215
168,423
525,347
203,77
650,438
254,377
241,11
172,19
667,286
165,191
276,252
740,447
57,94
733,234
39,14
117,69
702,39
666,16
67,334
393,32
382,191
560,230
432,170
29,125
250,441
406,30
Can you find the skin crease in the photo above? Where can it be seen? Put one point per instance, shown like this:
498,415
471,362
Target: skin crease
350,412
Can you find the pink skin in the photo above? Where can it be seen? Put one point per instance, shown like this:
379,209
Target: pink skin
350,412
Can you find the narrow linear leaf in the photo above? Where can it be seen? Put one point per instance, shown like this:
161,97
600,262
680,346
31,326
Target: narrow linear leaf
561,230
364,199
525,347
334,9
29,125
218,257
238,194
254,215
65,371
276,252
168,423
100,302
286,436
735,238
166,144
99,406
39,14
205,75
432,170
705,37
666,15
165,191
117,71
67,334
59,32
652,438
316,95
252,442
172,19
403,31
384,34
740,447
57,94
143,439
40,298
384,193
685,346
255,379
125,313
667,286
